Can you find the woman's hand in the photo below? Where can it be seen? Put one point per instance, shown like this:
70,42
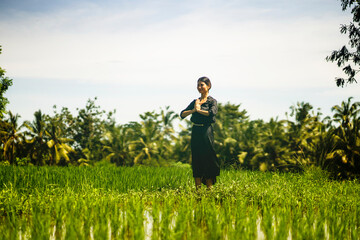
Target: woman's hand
197,105
197,108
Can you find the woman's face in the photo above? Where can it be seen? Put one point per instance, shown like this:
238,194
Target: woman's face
202,87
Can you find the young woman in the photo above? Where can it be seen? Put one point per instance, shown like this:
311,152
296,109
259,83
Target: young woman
205,164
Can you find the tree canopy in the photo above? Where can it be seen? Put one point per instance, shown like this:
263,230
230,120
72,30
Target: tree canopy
5,83
348,57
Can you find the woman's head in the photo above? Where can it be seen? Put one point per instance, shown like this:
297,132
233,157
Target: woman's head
203,84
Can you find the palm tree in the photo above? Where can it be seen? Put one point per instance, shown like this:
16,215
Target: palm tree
346,112
116,145
59,149
38,149
250,142
344,160
228,142
167,119
87,159
304,133
229,132
273,152
147,141
181,148
10,136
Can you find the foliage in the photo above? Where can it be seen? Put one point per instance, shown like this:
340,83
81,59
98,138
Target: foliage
116,145
229,133
87,129
153,136
36,139
344,160
11,137
92,135
349,59
58,145
5,83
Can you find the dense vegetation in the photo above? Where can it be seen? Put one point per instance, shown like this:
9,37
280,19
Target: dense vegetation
162,203
92,135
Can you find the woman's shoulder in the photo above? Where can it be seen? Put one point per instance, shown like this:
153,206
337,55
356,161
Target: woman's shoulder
211,99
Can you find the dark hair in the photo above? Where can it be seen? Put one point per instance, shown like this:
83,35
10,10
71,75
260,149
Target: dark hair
206,80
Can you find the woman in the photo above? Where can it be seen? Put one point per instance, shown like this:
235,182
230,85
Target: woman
205,164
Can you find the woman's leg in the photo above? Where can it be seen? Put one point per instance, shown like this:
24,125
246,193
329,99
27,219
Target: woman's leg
209,183
197,182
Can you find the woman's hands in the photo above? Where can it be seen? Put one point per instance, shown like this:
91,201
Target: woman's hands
197,106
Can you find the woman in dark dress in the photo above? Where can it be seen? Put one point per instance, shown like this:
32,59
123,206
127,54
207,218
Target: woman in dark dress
205,164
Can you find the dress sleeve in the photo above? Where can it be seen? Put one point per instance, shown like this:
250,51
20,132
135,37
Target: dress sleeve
213,108
191,106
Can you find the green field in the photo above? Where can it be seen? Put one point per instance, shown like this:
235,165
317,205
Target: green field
162,203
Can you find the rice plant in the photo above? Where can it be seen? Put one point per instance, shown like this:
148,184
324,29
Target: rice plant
162,203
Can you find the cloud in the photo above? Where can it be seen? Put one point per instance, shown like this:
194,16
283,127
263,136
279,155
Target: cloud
104,45
153,47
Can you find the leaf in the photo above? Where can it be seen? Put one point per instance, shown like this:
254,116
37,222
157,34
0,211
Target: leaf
64,154
230,140
67,148
50,143
136,159
242,156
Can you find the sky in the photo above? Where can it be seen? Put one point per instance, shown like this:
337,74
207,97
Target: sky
138,56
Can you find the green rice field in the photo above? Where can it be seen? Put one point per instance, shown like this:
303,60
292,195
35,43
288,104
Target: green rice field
162,203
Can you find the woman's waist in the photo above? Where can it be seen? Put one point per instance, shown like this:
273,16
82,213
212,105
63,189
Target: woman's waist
201,124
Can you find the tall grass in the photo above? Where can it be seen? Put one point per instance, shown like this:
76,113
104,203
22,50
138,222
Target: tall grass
107,178
162,203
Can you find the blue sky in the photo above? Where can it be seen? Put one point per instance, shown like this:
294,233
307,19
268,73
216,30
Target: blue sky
138,56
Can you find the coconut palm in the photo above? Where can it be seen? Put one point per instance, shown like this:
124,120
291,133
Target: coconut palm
304,133
37,144
273,152
86,159
148,140
229,132
167,119
116,145
344,113
345,158
227,143
10,136
59,149
181,147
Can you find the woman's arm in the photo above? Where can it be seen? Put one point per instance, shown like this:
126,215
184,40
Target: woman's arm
195,106
186,113
203,112
188,110
213,108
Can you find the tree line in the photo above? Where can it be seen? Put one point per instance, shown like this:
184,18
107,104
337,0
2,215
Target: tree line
92,135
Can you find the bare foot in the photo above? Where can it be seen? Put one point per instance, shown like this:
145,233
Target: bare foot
209,183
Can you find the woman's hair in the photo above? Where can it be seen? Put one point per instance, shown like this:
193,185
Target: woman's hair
206,80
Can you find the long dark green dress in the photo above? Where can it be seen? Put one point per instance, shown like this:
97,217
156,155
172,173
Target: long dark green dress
205,164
